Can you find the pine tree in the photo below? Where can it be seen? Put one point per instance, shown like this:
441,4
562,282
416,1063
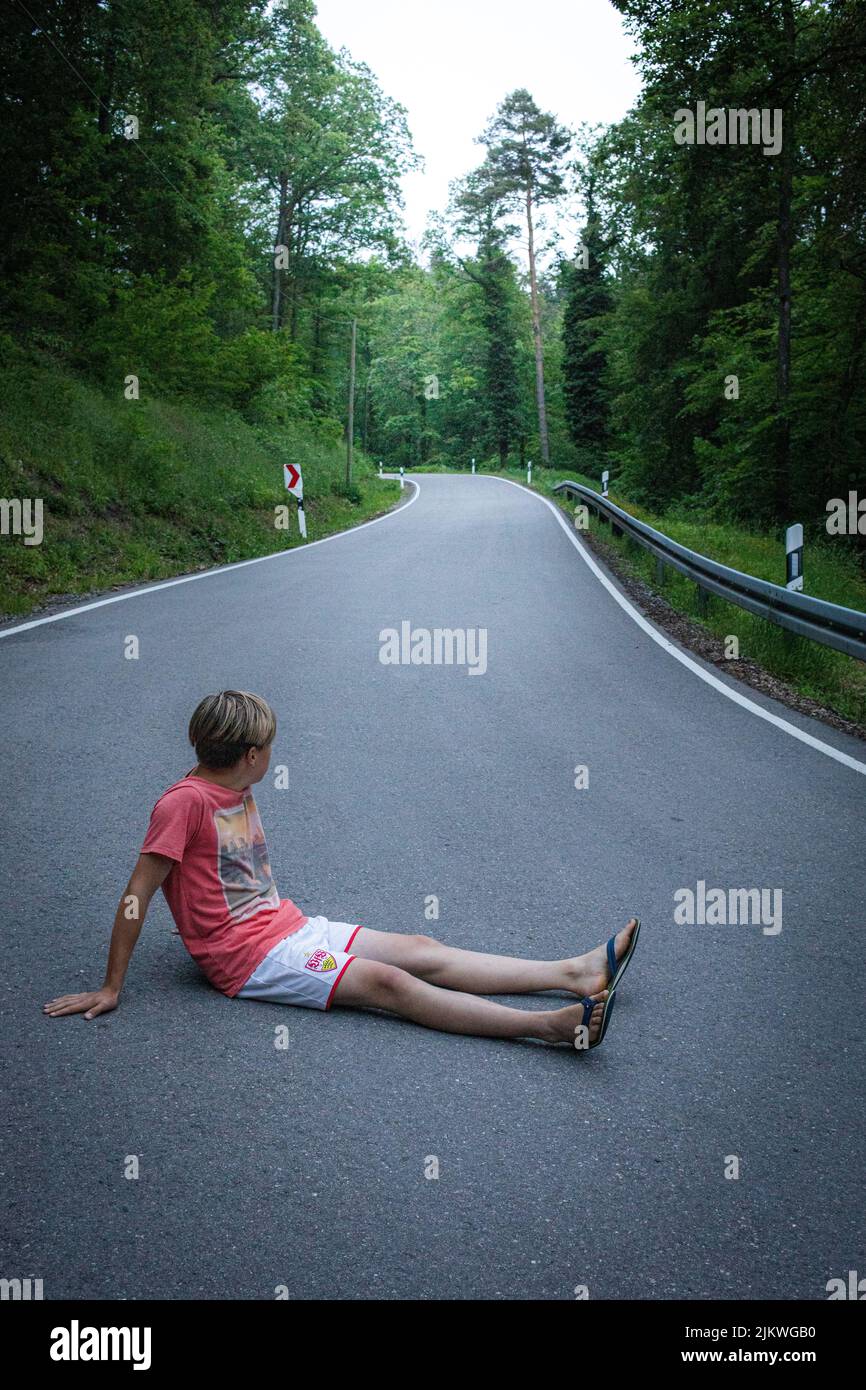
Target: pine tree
478,207
525,149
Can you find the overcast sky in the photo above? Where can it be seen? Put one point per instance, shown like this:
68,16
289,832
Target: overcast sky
451,62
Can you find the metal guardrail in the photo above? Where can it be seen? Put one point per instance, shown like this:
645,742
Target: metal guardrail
827,623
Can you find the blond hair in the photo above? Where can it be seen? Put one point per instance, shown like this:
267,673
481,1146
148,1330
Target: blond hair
226,725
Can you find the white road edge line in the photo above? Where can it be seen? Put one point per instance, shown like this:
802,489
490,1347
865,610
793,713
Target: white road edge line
674,651
208,574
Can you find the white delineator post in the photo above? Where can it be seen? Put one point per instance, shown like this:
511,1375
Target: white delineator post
295,486
473,465
402,484
794,557
380,468
529,472
605,478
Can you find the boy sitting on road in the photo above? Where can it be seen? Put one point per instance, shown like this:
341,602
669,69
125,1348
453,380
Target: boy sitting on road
205,847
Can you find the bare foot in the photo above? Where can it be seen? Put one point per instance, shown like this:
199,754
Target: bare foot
585,975
563,1024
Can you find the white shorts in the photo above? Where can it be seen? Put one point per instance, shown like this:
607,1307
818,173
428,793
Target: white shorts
305,967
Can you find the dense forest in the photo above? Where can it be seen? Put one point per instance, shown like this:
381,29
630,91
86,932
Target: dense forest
202,201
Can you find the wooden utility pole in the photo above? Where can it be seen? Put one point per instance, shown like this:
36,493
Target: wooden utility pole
351,432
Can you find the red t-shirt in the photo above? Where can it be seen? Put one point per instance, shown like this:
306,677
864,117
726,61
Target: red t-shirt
220,889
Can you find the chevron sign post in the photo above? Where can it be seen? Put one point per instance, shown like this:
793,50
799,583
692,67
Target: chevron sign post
295,486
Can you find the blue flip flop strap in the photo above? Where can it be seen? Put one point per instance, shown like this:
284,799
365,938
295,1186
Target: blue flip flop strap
588,1006
611,957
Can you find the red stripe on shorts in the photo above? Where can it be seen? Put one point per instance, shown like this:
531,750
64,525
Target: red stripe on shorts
338,979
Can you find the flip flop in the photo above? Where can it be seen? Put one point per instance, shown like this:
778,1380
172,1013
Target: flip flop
616,968
588,1006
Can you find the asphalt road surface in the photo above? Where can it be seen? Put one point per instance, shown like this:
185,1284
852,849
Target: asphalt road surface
305,1167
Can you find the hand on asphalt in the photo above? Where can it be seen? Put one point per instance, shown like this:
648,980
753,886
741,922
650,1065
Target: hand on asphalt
97,1001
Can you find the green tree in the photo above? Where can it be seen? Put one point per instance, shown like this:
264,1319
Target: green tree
477,210
725,256
525,150
587,305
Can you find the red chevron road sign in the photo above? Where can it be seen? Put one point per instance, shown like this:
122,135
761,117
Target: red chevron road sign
294,481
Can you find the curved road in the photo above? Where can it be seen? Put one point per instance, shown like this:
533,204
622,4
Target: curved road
305,1166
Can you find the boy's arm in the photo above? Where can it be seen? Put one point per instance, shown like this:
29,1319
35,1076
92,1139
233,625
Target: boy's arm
147,876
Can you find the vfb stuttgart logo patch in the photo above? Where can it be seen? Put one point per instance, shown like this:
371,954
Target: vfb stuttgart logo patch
321,960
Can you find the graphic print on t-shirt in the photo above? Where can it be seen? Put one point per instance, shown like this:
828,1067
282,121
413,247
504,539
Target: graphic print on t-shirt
243,862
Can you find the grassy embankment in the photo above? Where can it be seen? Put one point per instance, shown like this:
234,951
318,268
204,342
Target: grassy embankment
144,490
832,572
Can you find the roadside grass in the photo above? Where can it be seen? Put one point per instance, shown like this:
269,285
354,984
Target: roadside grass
135,491
832,571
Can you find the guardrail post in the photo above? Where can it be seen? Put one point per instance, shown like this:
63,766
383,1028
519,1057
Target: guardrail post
703,601
660,571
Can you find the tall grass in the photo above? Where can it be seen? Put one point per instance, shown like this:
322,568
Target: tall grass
142,490
833,572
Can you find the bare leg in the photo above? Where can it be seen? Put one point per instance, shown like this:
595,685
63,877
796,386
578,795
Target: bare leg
477,973
372,984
